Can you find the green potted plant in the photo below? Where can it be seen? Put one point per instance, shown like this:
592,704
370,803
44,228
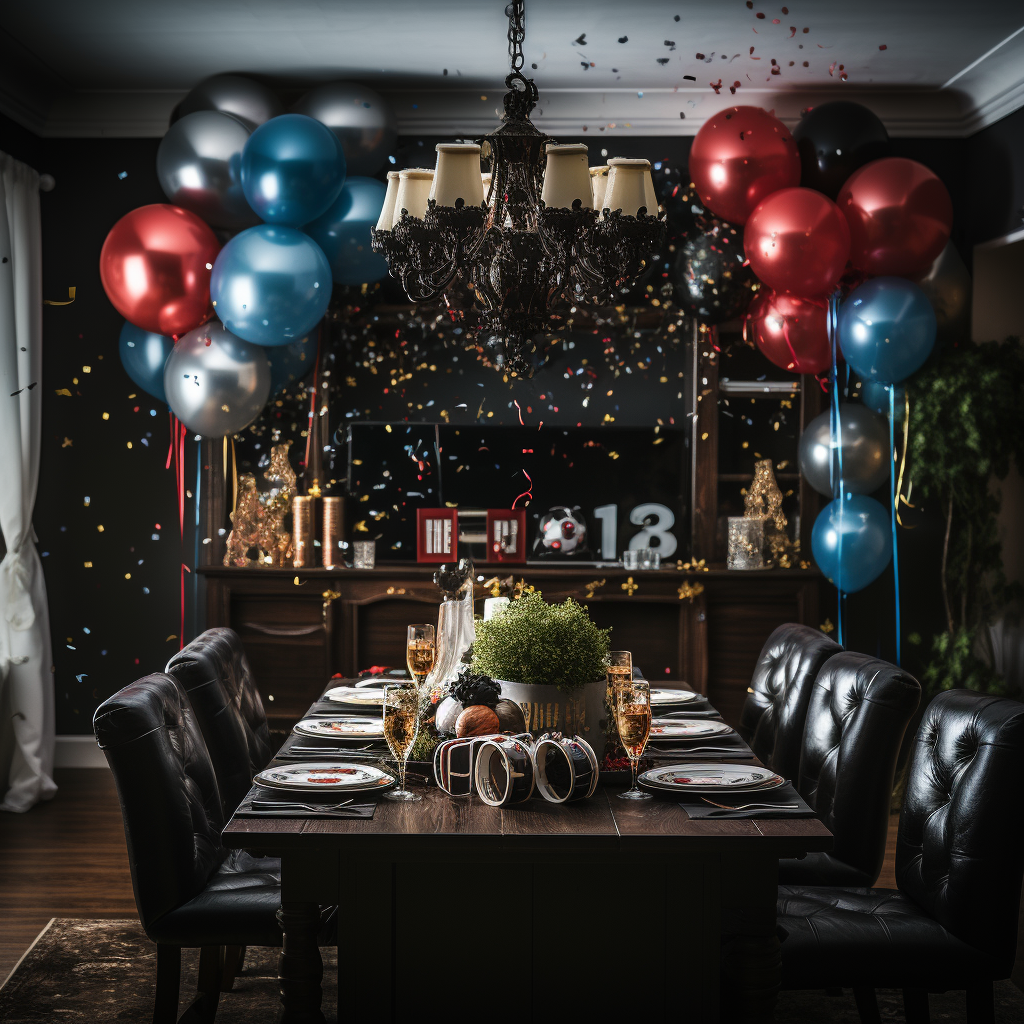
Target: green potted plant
550,659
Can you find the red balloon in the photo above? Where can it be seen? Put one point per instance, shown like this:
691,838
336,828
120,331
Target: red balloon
791,331
797,241
155,266
740,156
900,215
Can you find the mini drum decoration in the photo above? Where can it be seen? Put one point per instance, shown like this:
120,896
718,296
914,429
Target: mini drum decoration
455,761
746,543
303,531
565,769
504,772
332,544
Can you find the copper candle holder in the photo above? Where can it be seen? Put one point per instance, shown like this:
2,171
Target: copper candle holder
333,539
303,531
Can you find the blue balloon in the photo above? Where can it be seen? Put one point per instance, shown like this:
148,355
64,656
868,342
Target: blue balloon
343,232
293,168
290,363
867,541
887,329
143,355
876,396
270,285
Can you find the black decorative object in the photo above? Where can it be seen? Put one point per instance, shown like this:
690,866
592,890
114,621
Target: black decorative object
525,264
475,688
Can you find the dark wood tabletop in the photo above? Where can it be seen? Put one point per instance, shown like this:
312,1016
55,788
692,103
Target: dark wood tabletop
440,824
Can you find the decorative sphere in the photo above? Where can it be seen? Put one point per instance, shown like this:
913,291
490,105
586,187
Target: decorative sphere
476,720
510,716
447,714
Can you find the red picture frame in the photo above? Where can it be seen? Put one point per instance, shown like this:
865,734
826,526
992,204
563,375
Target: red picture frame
506,536
437,535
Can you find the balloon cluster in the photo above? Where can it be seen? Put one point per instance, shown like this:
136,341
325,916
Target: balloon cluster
288,195
823,210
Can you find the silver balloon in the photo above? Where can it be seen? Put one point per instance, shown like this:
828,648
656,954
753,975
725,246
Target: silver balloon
199,166
360,117
249,101
216,383
864,436
948,286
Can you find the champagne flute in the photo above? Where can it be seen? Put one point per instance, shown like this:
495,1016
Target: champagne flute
631,702
401,723
620,668
420,651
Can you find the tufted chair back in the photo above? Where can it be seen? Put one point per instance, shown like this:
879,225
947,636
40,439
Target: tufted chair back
169,798
773,716
858,712
214,671
960,851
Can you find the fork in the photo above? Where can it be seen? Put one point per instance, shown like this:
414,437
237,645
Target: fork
747,807
738,751
265,805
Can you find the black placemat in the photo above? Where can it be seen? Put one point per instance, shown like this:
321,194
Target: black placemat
701,810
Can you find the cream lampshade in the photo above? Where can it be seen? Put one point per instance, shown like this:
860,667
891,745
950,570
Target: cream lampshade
457,175
567,177
387,214
599,182
413,192
627,186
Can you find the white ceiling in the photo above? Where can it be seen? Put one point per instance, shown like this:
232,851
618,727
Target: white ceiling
117,67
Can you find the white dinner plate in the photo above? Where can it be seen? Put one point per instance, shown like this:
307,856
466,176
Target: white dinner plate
659,698
710,778
322,777
687,728
357,696
342,727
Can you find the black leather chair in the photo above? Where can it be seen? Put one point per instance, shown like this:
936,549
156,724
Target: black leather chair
186,894
858,712
772,721
214,672
952,923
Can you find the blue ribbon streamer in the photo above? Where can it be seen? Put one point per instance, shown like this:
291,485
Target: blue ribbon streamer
892,509
835,439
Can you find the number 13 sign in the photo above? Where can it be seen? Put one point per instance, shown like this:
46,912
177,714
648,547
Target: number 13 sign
656,519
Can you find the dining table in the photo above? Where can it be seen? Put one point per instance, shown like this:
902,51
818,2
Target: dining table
596,908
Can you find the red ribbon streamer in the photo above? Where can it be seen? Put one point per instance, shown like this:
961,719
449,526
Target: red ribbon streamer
176,455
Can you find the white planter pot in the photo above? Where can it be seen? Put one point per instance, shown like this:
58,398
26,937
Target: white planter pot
548,709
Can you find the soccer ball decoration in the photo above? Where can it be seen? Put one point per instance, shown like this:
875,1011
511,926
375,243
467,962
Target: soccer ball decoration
562,532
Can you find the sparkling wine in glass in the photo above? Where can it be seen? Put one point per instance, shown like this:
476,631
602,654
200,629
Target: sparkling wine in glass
420,651
620,668
401,723
631,703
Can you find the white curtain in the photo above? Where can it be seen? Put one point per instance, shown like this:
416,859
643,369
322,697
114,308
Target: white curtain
26,677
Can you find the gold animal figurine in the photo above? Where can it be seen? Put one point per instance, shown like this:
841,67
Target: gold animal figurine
245,524
764,501
274,539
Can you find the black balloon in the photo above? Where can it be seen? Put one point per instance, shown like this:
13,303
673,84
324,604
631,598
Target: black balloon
361,119
948,287
710,279
834,140
251,102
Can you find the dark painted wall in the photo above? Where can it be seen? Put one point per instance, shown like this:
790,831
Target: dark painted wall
119,618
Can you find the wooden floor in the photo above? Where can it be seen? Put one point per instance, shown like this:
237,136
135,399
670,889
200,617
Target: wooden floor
67,858
64,858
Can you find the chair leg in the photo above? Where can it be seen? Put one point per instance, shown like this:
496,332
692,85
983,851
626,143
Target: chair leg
867,1005
168,982
915,1005
203,1008
980,1004
234,957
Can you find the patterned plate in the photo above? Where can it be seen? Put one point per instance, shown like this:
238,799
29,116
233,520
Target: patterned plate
357,696
710,778
319,777
342,727
684,728
659,698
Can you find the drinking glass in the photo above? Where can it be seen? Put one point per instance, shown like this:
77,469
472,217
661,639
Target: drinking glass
420,650
619,670
631,702
631,558
401,723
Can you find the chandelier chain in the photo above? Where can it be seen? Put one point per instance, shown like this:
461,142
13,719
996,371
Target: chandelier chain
516,14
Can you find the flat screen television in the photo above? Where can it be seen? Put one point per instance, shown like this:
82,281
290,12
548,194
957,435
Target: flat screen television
610,476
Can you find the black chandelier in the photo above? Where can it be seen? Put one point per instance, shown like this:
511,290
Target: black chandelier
539,233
